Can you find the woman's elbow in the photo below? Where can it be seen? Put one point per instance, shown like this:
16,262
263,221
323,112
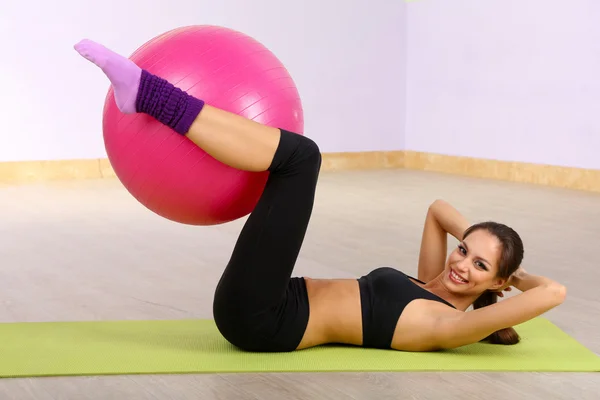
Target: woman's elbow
558,292
438,203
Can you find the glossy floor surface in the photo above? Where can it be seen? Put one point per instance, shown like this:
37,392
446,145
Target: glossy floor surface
87,250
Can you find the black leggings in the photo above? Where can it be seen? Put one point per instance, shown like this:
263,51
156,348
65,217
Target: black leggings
257,305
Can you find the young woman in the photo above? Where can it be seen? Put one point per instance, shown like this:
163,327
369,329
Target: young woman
258,306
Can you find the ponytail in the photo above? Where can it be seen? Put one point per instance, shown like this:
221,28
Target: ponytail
503,336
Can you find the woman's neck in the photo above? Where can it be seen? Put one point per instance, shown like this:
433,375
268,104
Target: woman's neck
437,287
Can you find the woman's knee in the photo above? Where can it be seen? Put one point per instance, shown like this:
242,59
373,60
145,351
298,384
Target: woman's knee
310,151
295,152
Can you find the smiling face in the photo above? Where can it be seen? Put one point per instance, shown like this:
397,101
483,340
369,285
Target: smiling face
473,266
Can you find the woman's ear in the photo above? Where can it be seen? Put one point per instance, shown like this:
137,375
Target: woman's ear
499,285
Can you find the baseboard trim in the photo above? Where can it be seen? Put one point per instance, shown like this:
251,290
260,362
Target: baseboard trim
19,172
16,172
362,160
539,174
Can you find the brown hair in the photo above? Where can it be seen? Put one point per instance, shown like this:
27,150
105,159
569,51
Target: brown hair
510,260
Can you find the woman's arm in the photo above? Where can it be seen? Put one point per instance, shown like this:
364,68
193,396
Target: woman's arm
540,294
441,219
450,219
525,281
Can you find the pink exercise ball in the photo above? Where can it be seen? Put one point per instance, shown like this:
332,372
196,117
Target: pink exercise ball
167,172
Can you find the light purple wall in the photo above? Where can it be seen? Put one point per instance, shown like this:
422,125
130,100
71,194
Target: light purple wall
501,79
505,79
348,59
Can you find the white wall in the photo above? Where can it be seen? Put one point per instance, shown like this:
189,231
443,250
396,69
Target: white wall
347,59
515,80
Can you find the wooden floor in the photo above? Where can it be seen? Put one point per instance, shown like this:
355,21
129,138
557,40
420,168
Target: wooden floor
87,250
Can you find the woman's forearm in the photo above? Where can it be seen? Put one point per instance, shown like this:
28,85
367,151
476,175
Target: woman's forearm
525,281
449,218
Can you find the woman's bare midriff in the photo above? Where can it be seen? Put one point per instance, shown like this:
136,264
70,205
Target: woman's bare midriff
335,312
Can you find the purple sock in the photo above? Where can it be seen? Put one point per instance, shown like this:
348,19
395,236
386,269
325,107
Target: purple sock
168,104
136,90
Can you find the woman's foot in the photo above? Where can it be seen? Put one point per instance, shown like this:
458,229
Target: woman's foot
137,90
124,74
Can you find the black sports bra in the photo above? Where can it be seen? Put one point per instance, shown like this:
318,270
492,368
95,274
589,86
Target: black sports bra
384,293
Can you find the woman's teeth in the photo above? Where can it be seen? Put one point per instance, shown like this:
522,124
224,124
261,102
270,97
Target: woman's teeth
456,277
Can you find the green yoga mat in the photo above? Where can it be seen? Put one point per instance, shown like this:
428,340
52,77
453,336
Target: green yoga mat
195,346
